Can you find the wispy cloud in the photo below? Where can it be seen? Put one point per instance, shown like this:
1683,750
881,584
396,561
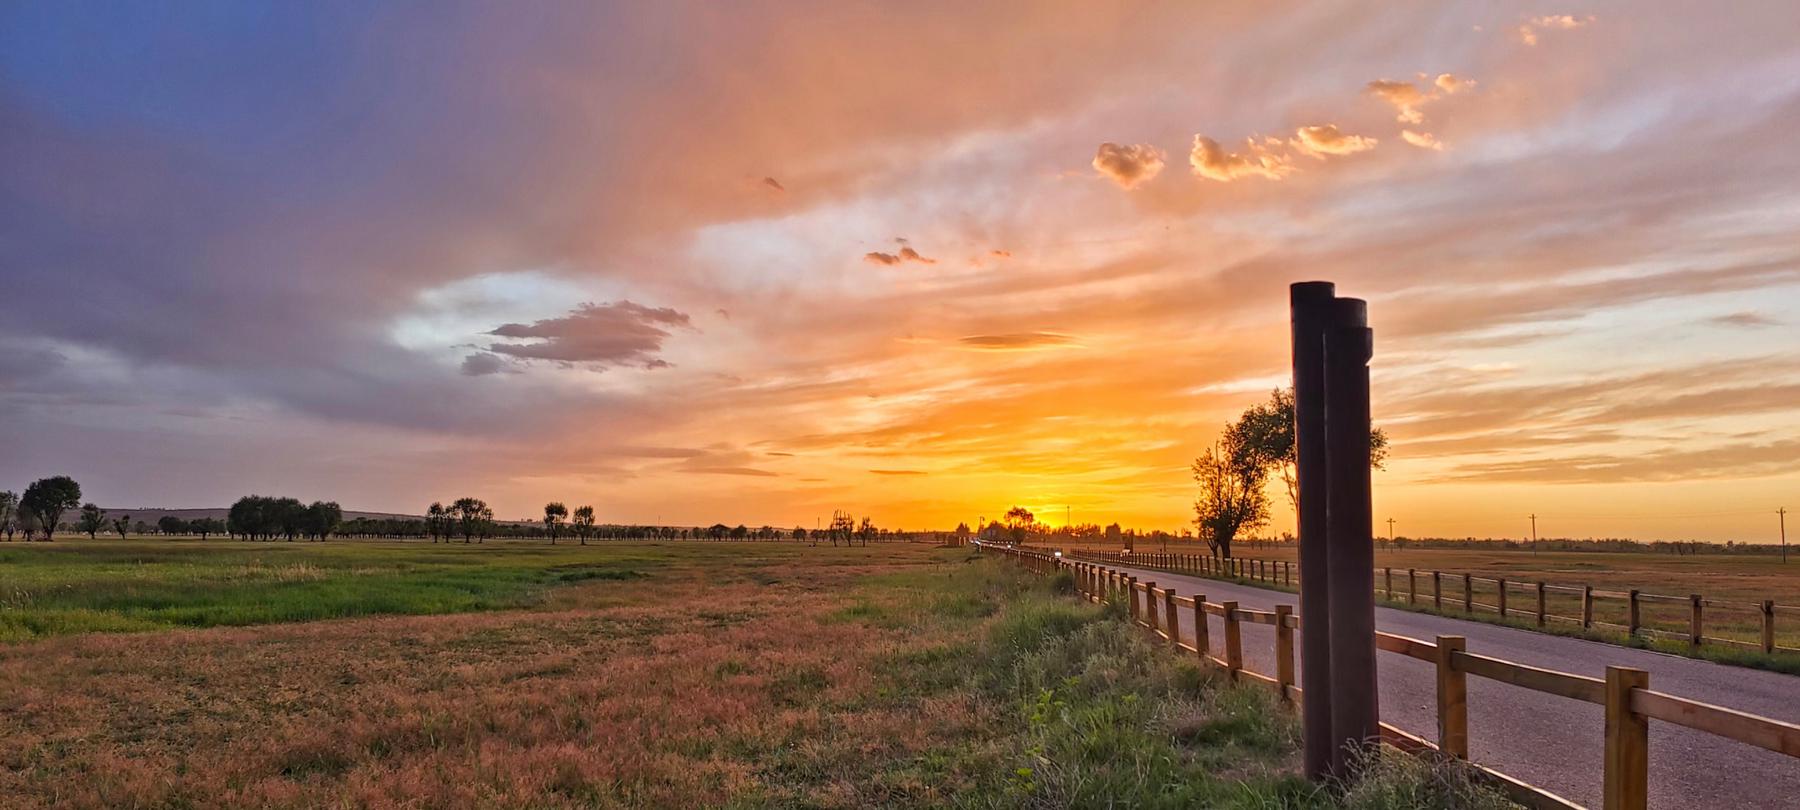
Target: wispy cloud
1017,341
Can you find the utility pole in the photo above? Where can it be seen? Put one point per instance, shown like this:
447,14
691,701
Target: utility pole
1390,523
1534,532
1782,512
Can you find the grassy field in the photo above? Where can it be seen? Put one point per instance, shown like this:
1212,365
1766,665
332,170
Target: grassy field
1734,586
645,675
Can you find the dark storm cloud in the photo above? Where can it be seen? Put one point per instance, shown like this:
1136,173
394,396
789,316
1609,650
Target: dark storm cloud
612,334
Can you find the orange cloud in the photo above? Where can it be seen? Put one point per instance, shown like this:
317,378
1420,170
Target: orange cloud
1528,33
1129,166
1319,141
1405,96
905,254
1211,161
1452,84
1423,140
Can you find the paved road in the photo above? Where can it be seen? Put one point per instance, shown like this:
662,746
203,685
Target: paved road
1549,741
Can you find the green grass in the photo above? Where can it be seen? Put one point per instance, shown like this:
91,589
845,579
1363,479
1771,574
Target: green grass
1098,716
141,585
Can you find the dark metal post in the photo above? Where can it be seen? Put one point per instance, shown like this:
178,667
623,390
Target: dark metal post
1310,303
1355,716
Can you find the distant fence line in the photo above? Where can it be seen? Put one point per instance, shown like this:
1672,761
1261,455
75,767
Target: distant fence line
1476,594
1624,693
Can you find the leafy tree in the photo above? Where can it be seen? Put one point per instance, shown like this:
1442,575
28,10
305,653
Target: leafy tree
740,532
206,526
9,507
1019,522
1233,498
583,522
798,533
471,515
554,515
122,525
245,516
46,499
92,521
437,521
1266,433
322,518
170,524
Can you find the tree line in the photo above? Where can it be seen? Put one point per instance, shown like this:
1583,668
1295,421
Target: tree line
54,504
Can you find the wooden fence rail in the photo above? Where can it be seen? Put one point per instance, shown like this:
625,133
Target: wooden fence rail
1625,693
1510,599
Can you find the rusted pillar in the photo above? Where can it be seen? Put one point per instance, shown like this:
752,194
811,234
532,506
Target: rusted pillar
1310,303
1355,723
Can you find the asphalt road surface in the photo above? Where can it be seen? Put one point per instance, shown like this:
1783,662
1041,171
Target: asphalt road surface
1552,742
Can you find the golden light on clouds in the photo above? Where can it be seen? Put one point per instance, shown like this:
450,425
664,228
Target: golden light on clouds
648,258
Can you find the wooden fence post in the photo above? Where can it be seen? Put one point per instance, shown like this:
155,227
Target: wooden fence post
1631,615
1587,606
1202,640
1234,640
1131,600
1502,581
1388,573
1452,699
1284,650
1172,620
1542,615
1627,780
1150,606
1437,591
1412,587
1468,593
1696,627
1768,625
1287,572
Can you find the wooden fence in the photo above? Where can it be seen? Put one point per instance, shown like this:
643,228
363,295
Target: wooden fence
1530,600
1625,692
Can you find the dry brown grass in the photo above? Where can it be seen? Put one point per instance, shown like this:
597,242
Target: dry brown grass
671,691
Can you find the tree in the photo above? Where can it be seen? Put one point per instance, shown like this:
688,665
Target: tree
842,526
92,521
471,515
246,516
554,515
1266,433
1019,521
171,525
122,524
46,499
206,526
1232,498
583,522
322,518
9,507
798,533
437,521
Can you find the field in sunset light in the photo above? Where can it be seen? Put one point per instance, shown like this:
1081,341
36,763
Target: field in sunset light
741,675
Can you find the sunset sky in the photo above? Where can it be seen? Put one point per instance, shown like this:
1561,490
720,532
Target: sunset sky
752,262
